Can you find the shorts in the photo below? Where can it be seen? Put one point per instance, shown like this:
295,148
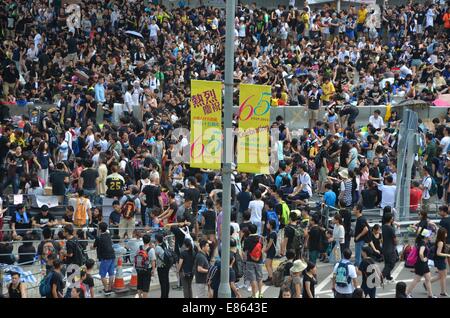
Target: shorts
360,27
323,174
271,254
440,263
253,271
313,114
143,280
107,266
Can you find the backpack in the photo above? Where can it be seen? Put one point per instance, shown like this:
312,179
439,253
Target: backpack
79,217
412,258
45,286
299,237
129,208
129,169
272,215
256,253
80,254
433,189
342,275
141,259
285,213
238,266
278,274
170,258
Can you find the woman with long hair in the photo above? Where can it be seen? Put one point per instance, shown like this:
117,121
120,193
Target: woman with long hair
44,159
421,268
440,261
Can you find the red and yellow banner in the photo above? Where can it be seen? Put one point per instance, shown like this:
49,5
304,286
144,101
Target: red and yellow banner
254,125
206,125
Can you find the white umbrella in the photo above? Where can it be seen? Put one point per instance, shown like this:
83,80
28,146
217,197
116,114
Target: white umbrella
134,33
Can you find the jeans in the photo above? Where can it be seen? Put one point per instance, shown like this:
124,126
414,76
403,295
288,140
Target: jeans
187,286
91,194
358,247
14,181
313,256
163,276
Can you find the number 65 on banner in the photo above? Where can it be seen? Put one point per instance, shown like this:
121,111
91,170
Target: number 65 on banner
262,107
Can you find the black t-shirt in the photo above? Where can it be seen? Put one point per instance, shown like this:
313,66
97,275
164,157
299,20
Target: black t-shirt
244,225
374,172
321,155
363,266
361,222
188,262
194,195
179,238
289,233
19,164
445,223
41,219
103,243
314,238
273,236
89,281
57,181
152,193
21,222
388,239
114,186
244,199
72,248
370,198
89,178
58,280
312,282
200,260
210,220
91,113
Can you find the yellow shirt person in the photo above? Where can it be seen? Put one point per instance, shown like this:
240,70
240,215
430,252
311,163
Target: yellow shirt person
362,15
328,90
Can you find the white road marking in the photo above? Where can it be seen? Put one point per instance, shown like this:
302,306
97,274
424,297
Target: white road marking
397,270
323,283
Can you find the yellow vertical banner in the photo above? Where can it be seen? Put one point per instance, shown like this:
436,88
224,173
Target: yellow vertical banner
206,125
254,125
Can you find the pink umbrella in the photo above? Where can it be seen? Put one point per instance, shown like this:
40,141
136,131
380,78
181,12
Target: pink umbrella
442,100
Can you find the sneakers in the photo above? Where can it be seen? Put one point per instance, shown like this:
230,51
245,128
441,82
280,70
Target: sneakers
432,296
443,294
391,281
268,280
409,296
107,292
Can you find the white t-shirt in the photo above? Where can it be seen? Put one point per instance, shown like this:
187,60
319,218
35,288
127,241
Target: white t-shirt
64,150
430,17
352,273
427,186
444,144
256,207
377,123
387,195
154,28
306,179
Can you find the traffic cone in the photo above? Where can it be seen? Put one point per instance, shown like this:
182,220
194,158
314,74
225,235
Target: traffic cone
119,282
133,281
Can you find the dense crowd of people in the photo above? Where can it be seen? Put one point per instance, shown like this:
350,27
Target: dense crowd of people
311,57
